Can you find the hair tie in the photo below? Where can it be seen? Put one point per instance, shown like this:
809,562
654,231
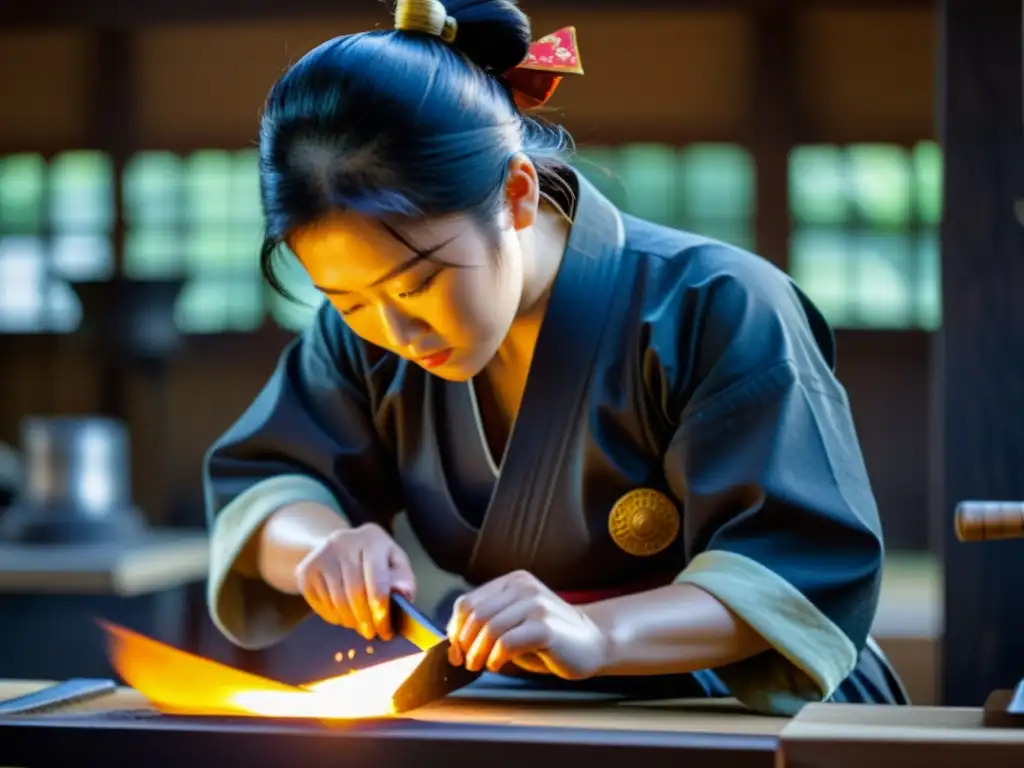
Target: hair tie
427,16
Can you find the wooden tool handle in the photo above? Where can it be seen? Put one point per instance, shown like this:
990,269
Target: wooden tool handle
989,520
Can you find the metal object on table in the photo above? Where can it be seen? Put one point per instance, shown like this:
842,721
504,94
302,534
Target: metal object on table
989,520
57,695
409,622
76,484
435,677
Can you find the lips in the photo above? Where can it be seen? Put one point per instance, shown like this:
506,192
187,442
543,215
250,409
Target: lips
436,359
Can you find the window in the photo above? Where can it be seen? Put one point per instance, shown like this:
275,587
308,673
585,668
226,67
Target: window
56,220
199,217
703,188
865,239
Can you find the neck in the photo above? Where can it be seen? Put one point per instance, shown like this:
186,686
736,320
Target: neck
548,240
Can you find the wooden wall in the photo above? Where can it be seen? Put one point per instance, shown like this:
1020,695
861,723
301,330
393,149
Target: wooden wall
843,75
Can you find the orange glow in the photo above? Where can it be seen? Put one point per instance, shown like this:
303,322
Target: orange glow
180,682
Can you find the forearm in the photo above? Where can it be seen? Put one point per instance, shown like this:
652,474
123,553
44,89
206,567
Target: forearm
675,629
288,535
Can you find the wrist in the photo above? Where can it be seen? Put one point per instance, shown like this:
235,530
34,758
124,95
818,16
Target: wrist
610,636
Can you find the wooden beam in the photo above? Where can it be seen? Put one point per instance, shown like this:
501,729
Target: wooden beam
980,365
775,124
136,13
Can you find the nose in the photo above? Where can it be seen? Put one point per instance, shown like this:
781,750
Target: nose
400,330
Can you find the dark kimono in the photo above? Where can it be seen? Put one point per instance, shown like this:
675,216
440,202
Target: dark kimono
681,423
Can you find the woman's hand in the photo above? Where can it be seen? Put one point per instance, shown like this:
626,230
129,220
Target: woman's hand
348,579
517,619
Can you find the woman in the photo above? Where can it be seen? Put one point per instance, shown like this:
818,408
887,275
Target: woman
628,438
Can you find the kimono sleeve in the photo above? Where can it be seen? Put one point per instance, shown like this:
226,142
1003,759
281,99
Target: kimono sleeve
308,436
780,523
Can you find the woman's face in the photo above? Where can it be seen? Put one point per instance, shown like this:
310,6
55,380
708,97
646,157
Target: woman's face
438,292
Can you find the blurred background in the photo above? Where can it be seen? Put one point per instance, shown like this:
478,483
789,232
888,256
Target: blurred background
129,287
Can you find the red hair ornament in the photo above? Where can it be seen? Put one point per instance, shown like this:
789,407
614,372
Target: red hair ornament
549,59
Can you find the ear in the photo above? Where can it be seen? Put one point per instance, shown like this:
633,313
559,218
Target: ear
522,191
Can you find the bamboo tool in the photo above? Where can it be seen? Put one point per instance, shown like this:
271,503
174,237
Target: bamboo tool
434,677
989,520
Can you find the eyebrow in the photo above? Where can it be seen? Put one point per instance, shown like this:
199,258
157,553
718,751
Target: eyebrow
418,256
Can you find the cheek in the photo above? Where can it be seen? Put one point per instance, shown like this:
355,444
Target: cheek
365,325
483,301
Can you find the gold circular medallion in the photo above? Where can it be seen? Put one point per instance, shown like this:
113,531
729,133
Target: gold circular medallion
644,522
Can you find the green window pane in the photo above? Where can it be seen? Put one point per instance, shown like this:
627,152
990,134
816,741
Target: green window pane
243,251
738,233
885,222
208,187
63,307
201,308
82,192
246,209
820,263
32,298
21,193
648,173
294,315
929,282
818,189
153,253
880,176
152,190
218,305
716,181
218,250
600,166
882,284
23,283
83,257
863,280
207,249
928,178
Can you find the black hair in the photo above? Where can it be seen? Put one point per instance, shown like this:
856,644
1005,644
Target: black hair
399,122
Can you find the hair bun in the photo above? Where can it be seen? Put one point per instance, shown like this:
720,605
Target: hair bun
494,34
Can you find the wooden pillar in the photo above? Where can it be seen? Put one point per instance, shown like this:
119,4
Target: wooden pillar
774,124
114,133
980,350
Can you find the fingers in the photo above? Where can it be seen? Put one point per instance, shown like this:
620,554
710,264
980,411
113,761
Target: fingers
468,603
355,593
520,642
481,617
480,627
403,579
314,591
349,580
338,600
490,631
377,579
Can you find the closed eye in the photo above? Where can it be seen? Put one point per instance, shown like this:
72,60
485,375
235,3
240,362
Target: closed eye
422,288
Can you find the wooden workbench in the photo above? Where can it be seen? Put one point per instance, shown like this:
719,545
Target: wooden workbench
855,736
122,728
